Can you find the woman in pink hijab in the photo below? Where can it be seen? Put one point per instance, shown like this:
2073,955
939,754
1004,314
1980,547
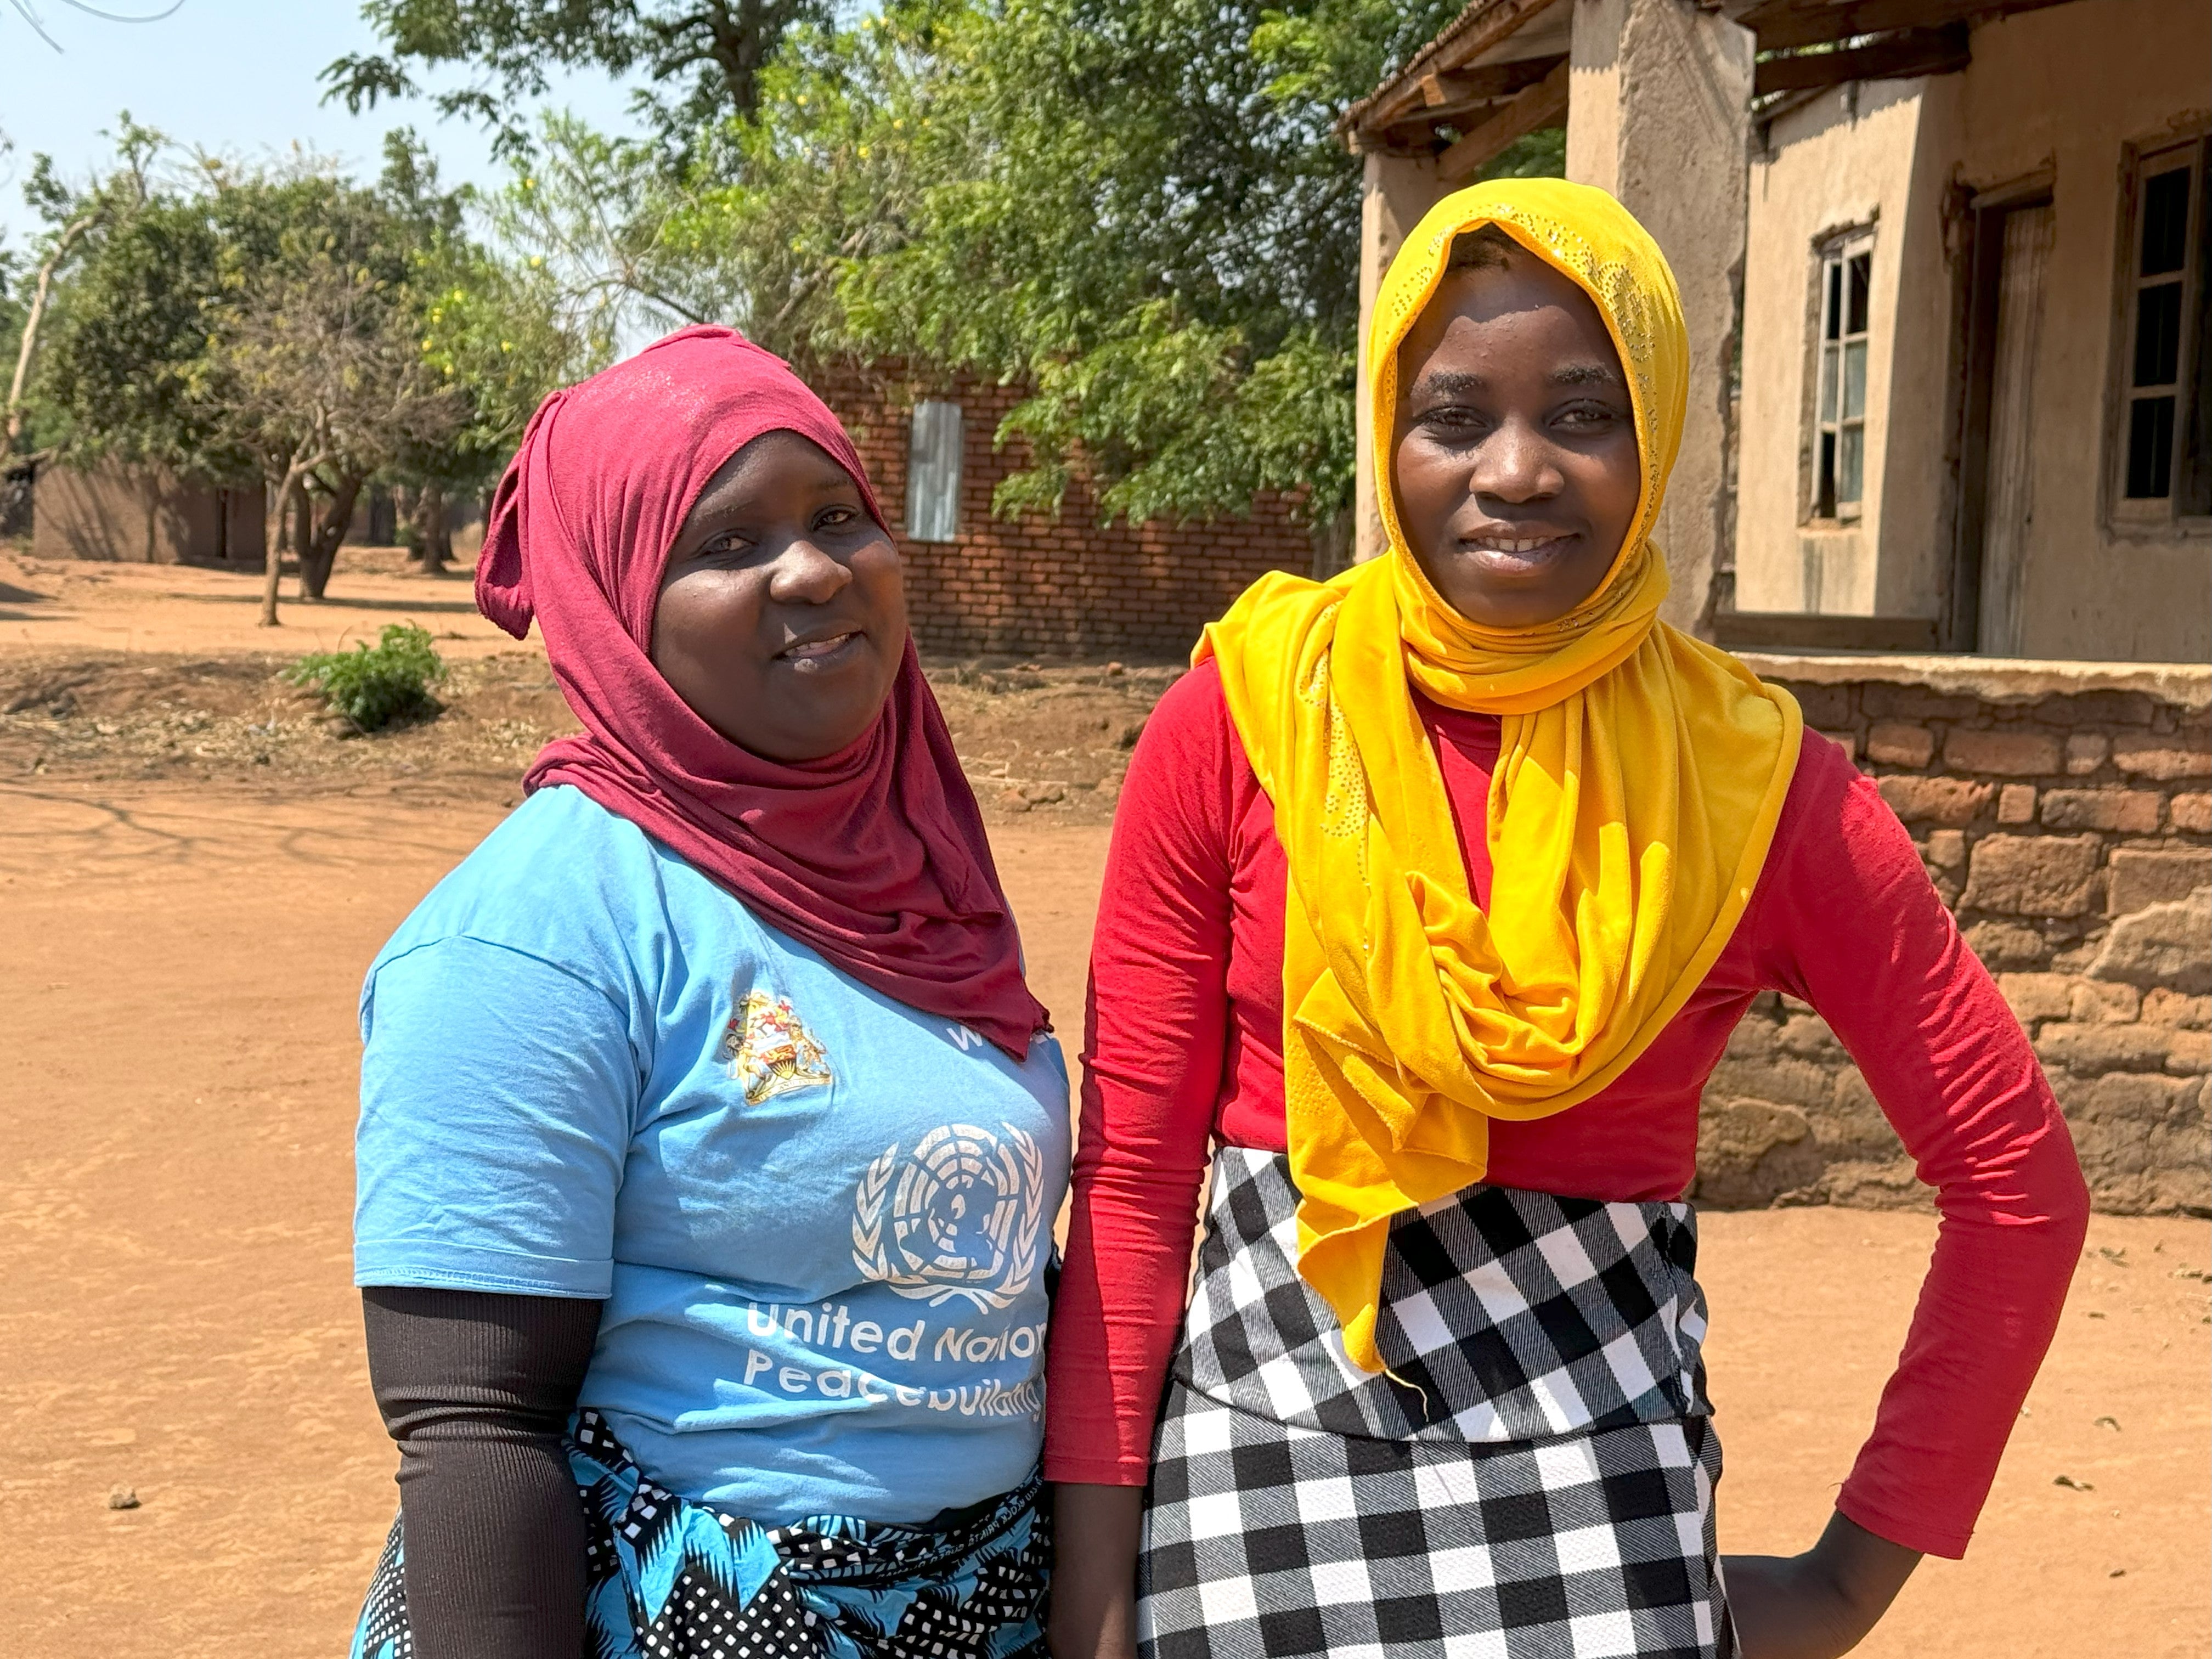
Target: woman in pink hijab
710,1140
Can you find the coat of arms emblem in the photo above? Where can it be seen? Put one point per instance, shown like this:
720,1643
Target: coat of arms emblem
961,1215
769,1048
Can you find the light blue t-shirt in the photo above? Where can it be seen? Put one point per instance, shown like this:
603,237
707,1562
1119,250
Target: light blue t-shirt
819,1219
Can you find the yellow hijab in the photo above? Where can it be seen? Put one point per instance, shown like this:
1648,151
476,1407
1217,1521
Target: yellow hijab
1639,778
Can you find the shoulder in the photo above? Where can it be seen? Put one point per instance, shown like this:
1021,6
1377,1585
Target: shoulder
1179,798
562,879
1192,709
1189,748
1829,794
1837,838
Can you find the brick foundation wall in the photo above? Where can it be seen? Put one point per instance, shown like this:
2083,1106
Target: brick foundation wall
1039,585
2064,812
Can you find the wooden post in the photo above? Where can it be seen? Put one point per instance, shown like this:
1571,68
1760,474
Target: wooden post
1396,191
1659,103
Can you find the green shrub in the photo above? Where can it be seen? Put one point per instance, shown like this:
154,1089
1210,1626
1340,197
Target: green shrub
373,686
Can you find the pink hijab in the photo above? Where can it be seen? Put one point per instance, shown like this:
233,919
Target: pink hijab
875,856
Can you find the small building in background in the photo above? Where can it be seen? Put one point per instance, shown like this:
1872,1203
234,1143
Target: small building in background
144,515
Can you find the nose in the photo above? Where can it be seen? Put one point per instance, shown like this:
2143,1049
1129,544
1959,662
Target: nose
803,575
1516,464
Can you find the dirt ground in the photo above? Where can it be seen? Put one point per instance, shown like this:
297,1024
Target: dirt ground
186,934
160,672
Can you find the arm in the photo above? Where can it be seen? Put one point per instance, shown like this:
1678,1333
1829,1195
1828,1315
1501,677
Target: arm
1854,928
477,1390
1821,1604
1157,1028
497,1095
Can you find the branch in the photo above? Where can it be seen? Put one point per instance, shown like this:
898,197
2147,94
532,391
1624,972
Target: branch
71,233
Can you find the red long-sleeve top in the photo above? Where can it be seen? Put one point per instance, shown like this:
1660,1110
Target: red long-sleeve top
1184,1050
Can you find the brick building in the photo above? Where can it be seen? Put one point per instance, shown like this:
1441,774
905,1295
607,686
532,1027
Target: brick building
1035,585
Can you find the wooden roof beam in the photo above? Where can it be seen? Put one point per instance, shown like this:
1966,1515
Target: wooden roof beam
1484,82
1485,26
1544,105
1786,24
1900,57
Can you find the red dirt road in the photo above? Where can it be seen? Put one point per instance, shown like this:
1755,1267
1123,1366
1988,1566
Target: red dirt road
176,1104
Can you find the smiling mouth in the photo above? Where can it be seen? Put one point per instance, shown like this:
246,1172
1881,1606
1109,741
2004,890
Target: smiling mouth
1513,546
815,654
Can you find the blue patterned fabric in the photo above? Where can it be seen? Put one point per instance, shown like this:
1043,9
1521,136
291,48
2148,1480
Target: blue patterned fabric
667,1578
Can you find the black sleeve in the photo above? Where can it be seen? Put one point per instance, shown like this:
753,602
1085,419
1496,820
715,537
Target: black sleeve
476,1388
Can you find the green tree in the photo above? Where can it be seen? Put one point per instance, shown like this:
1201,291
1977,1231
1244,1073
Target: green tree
703,57
72,217
287,323
1140,209
493,332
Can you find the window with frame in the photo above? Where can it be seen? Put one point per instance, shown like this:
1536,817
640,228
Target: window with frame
1840,431
2164,471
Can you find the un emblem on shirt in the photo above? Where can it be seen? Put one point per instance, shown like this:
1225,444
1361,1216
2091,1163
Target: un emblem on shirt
962,1214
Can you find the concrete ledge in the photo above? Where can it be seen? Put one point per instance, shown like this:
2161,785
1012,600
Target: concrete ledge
1995,679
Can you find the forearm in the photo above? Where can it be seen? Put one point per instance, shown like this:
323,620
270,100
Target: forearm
477,1390
493,1531
1094,1586
1819,1605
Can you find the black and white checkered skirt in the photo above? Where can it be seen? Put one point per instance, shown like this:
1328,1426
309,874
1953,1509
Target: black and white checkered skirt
1531,1478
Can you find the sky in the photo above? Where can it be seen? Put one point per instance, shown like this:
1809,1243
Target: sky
236,76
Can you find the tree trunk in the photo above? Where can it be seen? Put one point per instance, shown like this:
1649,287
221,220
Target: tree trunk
434,538
319,548
277,520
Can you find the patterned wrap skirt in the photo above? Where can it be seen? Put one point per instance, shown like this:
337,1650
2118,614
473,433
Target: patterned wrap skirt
667,1578
1531,1478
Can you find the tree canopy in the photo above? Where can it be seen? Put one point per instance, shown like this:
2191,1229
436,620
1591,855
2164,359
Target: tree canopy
1137,209
702,58
285,322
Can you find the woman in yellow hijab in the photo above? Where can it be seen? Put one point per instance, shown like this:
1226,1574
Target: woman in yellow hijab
1435,892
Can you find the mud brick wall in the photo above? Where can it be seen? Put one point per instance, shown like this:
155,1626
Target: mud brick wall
2064,813
1041,585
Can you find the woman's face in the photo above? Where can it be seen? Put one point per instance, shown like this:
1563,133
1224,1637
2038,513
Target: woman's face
782,613
1514,470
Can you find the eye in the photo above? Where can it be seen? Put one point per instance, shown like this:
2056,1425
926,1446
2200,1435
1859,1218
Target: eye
721,547
1587,417
1450,420
839,517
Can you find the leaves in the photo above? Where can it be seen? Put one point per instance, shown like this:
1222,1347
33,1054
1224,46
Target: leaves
225,320
373,686
703,60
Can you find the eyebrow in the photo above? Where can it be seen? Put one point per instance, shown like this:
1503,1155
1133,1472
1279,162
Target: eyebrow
1586,374
1459,383
1450,383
